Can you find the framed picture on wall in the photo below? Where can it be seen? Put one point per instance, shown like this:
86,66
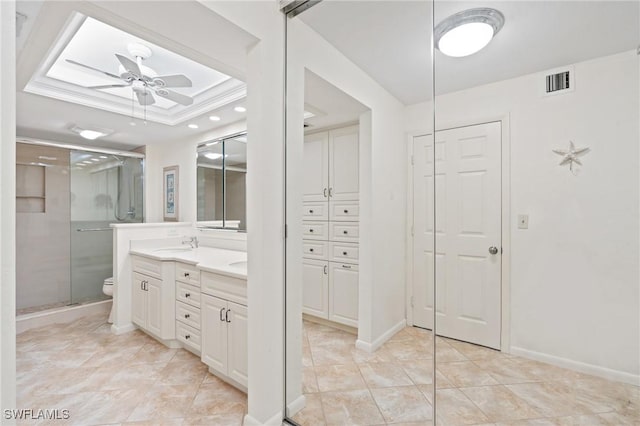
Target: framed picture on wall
170,179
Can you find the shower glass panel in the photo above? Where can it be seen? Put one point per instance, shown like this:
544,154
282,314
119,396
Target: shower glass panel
105,189
355,71
537,199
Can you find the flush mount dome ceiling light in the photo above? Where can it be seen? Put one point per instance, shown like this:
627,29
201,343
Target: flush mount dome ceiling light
467,32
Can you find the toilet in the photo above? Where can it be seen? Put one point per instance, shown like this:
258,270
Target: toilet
107,289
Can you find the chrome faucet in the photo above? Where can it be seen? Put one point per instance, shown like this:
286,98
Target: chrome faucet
192,241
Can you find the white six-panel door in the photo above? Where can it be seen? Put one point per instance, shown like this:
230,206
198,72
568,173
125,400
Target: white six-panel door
468,233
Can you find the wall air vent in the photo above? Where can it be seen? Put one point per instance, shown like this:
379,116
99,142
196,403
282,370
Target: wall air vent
558,81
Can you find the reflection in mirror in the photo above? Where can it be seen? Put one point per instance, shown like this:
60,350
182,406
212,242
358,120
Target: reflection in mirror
537,217
352,354
221,183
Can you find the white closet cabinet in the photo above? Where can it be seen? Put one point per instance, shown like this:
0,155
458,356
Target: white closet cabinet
330,226
331,166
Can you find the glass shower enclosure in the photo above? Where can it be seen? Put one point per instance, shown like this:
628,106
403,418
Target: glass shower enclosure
66,201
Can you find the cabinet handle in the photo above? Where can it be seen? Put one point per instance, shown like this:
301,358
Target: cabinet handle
188,336
141,285
325,192
325,269
346,211
346,266
344,253
226,315
345,232
221,311
330,192
186,316
186,274
187,295
311,250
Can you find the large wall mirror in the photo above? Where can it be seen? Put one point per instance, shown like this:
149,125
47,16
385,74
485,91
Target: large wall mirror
221,183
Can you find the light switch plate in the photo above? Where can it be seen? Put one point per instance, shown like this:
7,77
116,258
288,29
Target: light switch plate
523,221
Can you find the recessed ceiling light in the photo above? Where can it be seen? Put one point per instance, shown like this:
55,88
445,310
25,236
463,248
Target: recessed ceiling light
192,126
213,156
467,32
91,134
214,118
240,109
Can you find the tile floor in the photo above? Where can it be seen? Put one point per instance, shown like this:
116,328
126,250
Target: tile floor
476,385
128,379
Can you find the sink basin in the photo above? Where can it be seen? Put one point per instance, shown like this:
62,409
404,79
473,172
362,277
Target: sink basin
170,249
240,264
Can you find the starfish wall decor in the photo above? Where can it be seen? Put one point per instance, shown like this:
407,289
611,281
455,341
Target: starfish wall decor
571,155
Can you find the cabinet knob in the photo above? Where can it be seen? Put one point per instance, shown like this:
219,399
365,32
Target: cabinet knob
311,230
187,315
310,211
344,253
311,250
187,336
346,211
186,274
187,295
345,232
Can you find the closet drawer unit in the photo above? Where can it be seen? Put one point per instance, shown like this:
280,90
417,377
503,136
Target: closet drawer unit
315,249
149,267
188,335
188,294
343,252
344,231
187,273
315,211
345,211
188,314
315,231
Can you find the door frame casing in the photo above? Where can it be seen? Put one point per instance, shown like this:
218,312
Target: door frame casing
505,220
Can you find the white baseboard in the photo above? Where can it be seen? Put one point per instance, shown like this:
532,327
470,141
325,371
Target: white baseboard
276,420
121,329
581,367
372,347
61,315
298,404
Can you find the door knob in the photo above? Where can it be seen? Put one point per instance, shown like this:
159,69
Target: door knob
493,250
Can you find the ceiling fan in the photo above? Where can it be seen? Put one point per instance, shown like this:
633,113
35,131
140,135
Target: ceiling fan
143,80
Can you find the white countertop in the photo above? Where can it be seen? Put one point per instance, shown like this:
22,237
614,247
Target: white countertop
219,261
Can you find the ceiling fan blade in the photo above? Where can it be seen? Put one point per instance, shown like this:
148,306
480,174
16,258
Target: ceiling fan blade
129,65
175,96
145,97
178,80
94,69
108,86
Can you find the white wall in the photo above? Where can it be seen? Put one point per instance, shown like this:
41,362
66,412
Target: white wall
575,271
7,206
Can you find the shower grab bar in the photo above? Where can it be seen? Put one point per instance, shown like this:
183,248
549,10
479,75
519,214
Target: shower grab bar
93,229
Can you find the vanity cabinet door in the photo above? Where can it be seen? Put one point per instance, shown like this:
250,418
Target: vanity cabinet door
214,333
237,341
343,293
315,290
139,300
154,306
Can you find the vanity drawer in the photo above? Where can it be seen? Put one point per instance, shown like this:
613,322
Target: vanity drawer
343,252
188,294
346,211
315,249
315,231
225,287
187,273
149,267
344,231
188,335
188,314
315,211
